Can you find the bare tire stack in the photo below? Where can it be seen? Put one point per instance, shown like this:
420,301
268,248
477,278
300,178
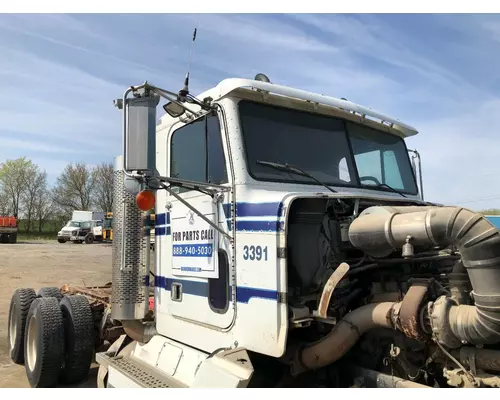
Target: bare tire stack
79,338
18,312
44,342
52,335
50,292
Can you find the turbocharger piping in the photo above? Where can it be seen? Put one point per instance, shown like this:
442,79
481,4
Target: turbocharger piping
379,231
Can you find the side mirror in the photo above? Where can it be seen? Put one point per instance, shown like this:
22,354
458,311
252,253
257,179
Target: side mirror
140,134
174,110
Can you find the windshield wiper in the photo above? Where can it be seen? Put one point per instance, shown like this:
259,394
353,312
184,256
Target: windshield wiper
291,168
379,185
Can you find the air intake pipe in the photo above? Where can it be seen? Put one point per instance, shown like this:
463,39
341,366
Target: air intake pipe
379,231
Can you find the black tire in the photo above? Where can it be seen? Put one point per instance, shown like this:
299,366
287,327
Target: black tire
89,239
78,338
13,238
19,307
44,343
50,292
61,240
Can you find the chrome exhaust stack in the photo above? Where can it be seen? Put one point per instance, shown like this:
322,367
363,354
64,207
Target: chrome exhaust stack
134,171
130,276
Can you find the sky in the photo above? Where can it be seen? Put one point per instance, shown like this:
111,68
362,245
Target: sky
59,75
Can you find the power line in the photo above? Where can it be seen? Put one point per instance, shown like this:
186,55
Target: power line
478,200
480,176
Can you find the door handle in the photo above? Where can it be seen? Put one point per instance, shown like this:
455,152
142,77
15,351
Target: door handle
176,291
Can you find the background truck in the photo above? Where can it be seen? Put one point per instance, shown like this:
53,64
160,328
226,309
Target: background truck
88,215
84,226
80,231
8,229
107,227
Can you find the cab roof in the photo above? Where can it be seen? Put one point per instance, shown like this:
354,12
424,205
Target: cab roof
229,85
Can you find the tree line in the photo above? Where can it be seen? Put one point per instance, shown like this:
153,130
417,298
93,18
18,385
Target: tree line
26,193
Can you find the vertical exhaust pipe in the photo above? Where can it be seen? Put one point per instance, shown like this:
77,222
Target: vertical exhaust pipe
130,275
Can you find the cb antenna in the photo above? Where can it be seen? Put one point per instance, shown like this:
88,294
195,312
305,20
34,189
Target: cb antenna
185,90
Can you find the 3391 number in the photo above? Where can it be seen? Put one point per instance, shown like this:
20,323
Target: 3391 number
257,253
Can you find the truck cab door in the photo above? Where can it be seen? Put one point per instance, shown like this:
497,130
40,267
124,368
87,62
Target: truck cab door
97,229
198,266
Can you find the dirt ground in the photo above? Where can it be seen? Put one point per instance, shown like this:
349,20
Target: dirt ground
42,264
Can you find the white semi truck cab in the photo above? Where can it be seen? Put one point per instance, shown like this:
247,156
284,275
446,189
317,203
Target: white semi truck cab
293,248
291,236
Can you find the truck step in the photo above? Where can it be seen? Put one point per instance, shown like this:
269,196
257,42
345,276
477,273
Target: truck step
142,374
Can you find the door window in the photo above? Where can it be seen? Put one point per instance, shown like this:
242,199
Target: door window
197,153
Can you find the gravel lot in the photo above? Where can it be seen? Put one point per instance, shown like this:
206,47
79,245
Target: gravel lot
40,264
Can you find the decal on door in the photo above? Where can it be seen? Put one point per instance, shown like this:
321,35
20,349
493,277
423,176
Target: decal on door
194,247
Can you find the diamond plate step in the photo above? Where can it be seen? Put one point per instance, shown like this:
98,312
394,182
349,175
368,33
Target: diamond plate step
141,373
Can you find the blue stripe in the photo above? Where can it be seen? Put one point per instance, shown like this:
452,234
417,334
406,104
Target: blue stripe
243,293
189,287
255,209
162,231
258,209
244,210
258,226
162,219
241,226
227,210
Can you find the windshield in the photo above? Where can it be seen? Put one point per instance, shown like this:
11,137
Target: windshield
74,224
78,224
334,151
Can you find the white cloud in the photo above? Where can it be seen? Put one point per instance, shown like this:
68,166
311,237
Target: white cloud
40,147
59,75
460,157
255,33
368,36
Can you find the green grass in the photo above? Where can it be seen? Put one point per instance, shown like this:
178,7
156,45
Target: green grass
49,231
22,236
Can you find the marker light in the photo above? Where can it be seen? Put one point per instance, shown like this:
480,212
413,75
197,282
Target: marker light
145,200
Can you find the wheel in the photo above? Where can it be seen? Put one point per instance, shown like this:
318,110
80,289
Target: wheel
19,307
61,240
50,292
78,338
89,239
44,343
13,238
